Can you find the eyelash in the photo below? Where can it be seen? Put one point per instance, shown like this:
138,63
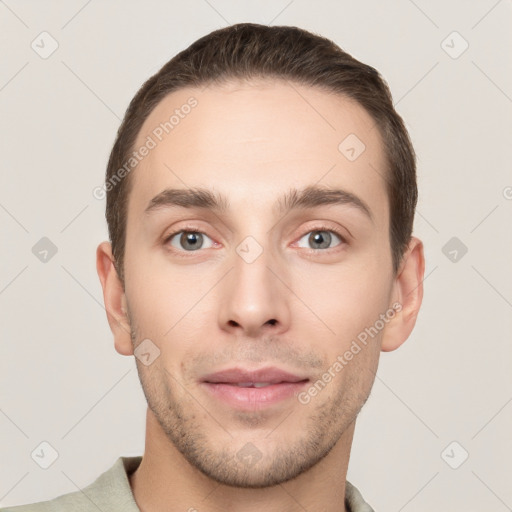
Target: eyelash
193,229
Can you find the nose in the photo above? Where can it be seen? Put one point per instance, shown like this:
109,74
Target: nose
255,298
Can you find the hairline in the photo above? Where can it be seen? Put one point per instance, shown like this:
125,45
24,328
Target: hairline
252,81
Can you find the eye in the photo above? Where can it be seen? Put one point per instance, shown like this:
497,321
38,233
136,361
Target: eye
321,238
188,240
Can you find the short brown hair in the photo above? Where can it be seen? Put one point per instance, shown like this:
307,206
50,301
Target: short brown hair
245,51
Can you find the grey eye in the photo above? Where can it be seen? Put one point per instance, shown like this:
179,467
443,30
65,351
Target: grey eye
320,239
189,240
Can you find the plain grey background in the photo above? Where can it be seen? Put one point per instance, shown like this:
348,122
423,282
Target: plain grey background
444,395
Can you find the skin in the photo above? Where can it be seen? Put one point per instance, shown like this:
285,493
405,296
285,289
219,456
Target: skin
212,310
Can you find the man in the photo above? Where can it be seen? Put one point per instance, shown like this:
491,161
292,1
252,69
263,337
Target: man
260,203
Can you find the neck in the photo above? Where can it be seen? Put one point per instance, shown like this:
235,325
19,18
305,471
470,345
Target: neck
166,481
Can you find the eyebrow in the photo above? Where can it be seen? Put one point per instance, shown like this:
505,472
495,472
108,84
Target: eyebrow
295,199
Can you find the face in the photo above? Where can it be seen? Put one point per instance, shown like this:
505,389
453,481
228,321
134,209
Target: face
261,289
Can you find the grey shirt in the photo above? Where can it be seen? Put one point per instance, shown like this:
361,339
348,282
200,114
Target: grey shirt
111,492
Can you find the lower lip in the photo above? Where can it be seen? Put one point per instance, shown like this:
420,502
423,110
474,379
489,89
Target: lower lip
251,398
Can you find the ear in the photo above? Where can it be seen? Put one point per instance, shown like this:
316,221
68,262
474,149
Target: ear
114,298
408,294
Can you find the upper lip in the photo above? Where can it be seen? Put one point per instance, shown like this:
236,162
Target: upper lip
269,375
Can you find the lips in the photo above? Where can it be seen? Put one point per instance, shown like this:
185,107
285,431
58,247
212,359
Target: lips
254,378
256,389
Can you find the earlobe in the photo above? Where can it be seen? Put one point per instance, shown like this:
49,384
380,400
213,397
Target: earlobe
114,298
408,292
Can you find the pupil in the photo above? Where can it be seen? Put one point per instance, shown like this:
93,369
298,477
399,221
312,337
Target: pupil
191,239
318,238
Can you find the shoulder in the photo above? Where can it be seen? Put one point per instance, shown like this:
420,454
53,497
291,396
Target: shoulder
110,491
354,500
71,502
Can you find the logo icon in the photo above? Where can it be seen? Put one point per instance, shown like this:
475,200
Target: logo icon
44,45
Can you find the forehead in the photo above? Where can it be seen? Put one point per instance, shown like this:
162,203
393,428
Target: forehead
254,141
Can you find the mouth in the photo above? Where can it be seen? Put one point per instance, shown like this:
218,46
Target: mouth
249,390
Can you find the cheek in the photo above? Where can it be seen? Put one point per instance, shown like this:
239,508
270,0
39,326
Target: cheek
160,292
171,307
342,298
